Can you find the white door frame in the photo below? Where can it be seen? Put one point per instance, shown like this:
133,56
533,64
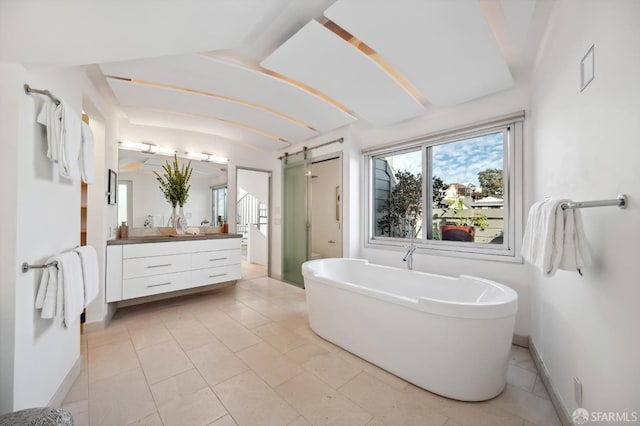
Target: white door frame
269,174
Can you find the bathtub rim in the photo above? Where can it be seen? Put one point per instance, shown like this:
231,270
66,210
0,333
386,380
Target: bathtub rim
462,310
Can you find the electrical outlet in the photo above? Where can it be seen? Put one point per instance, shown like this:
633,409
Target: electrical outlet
577,391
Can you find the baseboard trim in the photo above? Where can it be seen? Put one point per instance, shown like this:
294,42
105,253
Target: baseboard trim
520,340
561,409
58,397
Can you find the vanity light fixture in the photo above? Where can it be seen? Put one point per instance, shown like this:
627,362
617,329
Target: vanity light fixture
198,156
215,159
161,150
135,146
146,147
203,156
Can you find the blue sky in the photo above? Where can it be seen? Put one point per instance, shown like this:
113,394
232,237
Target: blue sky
458,162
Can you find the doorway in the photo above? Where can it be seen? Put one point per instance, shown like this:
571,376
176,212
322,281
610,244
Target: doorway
326,208
253,220
125,203
219,205
312,212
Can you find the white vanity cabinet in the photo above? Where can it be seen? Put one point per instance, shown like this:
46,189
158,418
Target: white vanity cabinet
150,267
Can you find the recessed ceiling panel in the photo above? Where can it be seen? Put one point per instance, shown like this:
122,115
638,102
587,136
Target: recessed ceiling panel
229,131
519,15
150,96
444,47
211,75
321,59
77,32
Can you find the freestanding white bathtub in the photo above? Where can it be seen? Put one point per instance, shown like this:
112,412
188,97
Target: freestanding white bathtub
451,336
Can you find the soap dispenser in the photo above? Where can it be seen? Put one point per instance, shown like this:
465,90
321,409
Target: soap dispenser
124,231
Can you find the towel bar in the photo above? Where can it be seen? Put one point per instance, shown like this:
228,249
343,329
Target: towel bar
26,266
28,90
621,201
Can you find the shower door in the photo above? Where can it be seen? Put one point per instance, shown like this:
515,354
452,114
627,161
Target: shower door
296,221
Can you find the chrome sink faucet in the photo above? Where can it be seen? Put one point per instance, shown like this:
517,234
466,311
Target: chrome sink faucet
408,255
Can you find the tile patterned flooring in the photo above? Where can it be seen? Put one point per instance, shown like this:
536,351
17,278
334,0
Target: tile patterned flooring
245,355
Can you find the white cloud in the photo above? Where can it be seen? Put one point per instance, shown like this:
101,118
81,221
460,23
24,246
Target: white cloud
457,162
460,162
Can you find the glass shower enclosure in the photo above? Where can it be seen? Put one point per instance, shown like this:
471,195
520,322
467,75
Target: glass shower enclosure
296,216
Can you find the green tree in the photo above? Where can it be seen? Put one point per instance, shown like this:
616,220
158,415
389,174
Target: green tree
439,187
491,182
398,211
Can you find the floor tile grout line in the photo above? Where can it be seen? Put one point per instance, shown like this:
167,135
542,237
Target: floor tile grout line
146,380
259,378
354,402
263,297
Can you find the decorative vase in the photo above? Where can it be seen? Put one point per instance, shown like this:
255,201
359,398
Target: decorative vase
177,221
181,225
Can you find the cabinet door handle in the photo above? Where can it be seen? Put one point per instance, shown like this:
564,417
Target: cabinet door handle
217,275
158,266
158,285
217,258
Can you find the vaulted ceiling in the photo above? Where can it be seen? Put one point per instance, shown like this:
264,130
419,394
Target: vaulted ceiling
271,73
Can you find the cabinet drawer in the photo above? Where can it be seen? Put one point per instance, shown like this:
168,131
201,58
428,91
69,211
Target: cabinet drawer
215,275
130,251
146,266
146,286
215,244
210,259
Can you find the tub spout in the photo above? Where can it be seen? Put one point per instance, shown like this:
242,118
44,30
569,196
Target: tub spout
408,256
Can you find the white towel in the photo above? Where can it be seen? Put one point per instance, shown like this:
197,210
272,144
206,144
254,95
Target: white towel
554,238
86,153
50,117
48,291
70,143
70,279
575,249
89,261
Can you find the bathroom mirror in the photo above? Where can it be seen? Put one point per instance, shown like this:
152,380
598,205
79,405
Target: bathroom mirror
142,205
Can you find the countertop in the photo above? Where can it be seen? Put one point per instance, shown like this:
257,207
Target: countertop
169,238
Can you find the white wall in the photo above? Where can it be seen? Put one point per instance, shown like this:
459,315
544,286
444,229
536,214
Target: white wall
255,183
11,79
47,221
257,246
101,217
585,147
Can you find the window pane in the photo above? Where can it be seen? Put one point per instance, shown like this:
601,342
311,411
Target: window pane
397,195
468,190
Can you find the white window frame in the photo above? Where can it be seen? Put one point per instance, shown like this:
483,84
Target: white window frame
509,251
